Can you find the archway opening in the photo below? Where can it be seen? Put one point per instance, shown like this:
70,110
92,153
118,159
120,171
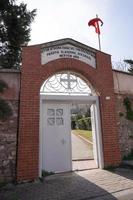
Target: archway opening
69,124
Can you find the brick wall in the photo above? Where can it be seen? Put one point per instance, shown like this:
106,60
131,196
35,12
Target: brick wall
8,128
33,75
115,133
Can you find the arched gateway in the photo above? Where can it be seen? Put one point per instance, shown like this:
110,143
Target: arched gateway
53,76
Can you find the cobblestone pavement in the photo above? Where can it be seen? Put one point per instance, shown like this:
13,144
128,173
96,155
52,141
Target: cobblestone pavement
84,185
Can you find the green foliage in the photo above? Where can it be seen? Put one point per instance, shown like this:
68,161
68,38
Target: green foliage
15,29
121,114
73,124
111,168
3,184
130,62
3,86
84,123
81,121
129,156
46,173
81,124
78,116
129,113
87,114
5,110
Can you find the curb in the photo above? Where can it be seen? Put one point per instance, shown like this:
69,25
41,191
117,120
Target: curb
88,141
126,194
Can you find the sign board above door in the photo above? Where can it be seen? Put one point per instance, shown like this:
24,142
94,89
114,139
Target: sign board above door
67,51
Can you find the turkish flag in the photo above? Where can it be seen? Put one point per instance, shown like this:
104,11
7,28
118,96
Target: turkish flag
95,22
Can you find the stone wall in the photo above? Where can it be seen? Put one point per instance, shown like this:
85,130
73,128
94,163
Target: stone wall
123,87
8,128
125,126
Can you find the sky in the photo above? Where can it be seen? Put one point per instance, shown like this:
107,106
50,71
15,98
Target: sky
57,19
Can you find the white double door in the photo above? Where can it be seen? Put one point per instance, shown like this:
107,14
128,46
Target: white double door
56,137
56,149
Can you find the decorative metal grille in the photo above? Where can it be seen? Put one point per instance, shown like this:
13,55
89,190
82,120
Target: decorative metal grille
65,83
55,117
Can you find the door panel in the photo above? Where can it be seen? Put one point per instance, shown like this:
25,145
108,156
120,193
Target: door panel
93,122
56,138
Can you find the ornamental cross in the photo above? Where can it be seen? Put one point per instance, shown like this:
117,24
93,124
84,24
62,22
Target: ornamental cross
68,80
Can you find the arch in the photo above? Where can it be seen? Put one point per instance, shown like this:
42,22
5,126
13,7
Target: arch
67,83
81,69
69,95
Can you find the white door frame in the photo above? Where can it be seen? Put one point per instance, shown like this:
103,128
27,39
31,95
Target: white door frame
72,99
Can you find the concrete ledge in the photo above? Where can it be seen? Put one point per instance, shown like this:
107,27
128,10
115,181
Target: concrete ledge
2,70
124,194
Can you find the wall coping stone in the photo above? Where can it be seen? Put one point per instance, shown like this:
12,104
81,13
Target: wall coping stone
2,70
123,72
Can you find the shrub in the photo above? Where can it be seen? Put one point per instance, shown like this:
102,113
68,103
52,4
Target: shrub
127,104
5,110
3,86
129,156
84,123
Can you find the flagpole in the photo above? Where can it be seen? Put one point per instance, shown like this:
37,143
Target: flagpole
99,39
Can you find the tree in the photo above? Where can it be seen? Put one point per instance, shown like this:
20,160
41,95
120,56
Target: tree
130,62
15,21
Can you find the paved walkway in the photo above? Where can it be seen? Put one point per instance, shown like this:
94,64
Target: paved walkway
81,149
84,165
92,184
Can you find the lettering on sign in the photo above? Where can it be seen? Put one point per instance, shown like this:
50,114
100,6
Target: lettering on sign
67,51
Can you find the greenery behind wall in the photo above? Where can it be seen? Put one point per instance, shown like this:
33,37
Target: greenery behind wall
129,111
81,120
5,109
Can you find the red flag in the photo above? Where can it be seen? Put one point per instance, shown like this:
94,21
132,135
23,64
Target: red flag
95,22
